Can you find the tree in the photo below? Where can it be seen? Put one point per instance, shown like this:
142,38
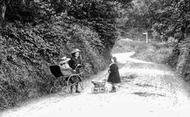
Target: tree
136,18
166,17
171,17
100,15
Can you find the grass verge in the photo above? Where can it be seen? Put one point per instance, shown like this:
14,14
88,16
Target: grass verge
151,52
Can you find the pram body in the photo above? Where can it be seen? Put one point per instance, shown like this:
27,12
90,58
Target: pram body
64,83
99,86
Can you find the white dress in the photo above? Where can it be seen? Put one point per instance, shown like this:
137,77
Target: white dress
65,69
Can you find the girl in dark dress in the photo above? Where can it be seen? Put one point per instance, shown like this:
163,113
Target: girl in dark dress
114,76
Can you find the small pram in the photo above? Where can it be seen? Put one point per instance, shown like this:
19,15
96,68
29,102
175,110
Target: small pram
99,86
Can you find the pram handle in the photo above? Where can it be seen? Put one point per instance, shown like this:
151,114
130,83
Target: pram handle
78,67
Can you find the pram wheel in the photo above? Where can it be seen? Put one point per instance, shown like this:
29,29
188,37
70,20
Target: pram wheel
73,80
102,89
98,90
66,89
54,90
60,82
95,90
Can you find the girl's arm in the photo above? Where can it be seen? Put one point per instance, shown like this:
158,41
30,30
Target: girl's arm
110,67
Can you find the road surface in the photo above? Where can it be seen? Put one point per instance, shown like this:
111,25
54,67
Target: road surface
147,89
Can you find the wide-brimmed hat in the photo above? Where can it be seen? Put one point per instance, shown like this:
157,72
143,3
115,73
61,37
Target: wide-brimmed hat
75,50
65,59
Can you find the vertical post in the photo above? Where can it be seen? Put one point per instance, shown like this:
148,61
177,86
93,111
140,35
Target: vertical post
2,13
146,34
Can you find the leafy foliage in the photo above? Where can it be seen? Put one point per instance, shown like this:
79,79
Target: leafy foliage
172,17
165,17
26,54
34,34
100,15
136,19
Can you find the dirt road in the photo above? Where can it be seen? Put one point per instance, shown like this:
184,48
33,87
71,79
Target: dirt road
147,89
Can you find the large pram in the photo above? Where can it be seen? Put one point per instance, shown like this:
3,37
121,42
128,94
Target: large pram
64,83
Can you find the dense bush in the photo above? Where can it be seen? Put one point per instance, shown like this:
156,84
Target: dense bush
99,15
35,34
27,52
180,59
173,19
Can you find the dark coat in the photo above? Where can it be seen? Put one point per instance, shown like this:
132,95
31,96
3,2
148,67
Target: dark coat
114,76
74,62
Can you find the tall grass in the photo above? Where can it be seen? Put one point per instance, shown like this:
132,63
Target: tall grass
151,52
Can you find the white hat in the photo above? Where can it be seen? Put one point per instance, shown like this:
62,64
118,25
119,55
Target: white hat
65,59
75,50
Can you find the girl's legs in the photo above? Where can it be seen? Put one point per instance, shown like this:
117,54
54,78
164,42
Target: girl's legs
113,88
77,90
71,89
